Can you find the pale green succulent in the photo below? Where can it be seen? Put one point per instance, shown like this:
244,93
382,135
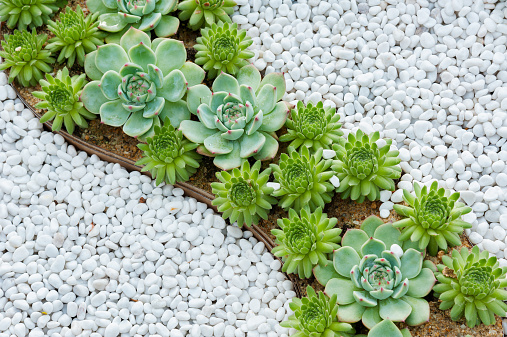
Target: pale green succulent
28,13
242,194
387,328
312,126
60,97
239,118
372,283
315,316
477,290
168,156
139,83
303,179
363,168
433,218
303,242
205,12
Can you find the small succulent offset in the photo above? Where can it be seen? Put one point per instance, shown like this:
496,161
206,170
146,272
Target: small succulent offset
75,36
28,13
303,242
242,194
205,12
23,54
222,48
364,168
118,16
168,156
139,83
60,96
372,283
476,290
239,119
433,218
312,126
303,179
315,316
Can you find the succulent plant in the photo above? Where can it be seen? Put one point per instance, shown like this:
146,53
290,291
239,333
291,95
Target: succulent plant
222,48
60,97
28,13
433,218
118,16
364,168
139,83
315,316
23,54
472,284
304,179
387,328
303,242
75,36
205,12
239,119
168,156
372,283
312,126
242,194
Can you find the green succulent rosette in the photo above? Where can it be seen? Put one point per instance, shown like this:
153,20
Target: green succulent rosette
139,83
364,168
433,218
23,55
476,290
312,126
239,119
28,14
372,283
305,241
223,48
205,12
315,316
303,179
242,194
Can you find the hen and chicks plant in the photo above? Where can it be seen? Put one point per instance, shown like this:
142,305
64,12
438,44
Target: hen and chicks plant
28,13
205,12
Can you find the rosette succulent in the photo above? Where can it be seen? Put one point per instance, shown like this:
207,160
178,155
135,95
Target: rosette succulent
474,288
387,328
312,126
303,242
372,283
28,13
239,119
23,54
433,218
117,17
303,179
168,156
315,316
60,97
75,36
364,168
222,48
242,194
201,12
139,83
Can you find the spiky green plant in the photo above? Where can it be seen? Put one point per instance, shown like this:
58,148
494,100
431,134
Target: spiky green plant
28,13
75,36
168,156
363,168
242,194
222,48
476,290
433,217
23,54
315,316
304,179
312,126
303,242
60,97
205,12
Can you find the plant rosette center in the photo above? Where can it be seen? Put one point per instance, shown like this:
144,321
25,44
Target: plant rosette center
242,193
137,89
362,162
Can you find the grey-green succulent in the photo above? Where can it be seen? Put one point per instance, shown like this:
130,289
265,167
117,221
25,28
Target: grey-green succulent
28,13
205,12
387,328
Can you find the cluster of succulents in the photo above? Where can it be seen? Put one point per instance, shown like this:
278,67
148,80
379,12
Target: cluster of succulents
205,12
25,14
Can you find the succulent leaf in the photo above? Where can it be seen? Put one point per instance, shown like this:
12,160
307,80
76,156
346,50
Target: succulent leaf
24,14
205,12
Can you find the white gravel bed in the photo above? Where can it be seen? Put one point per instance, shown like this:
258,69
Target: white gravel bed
81,255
